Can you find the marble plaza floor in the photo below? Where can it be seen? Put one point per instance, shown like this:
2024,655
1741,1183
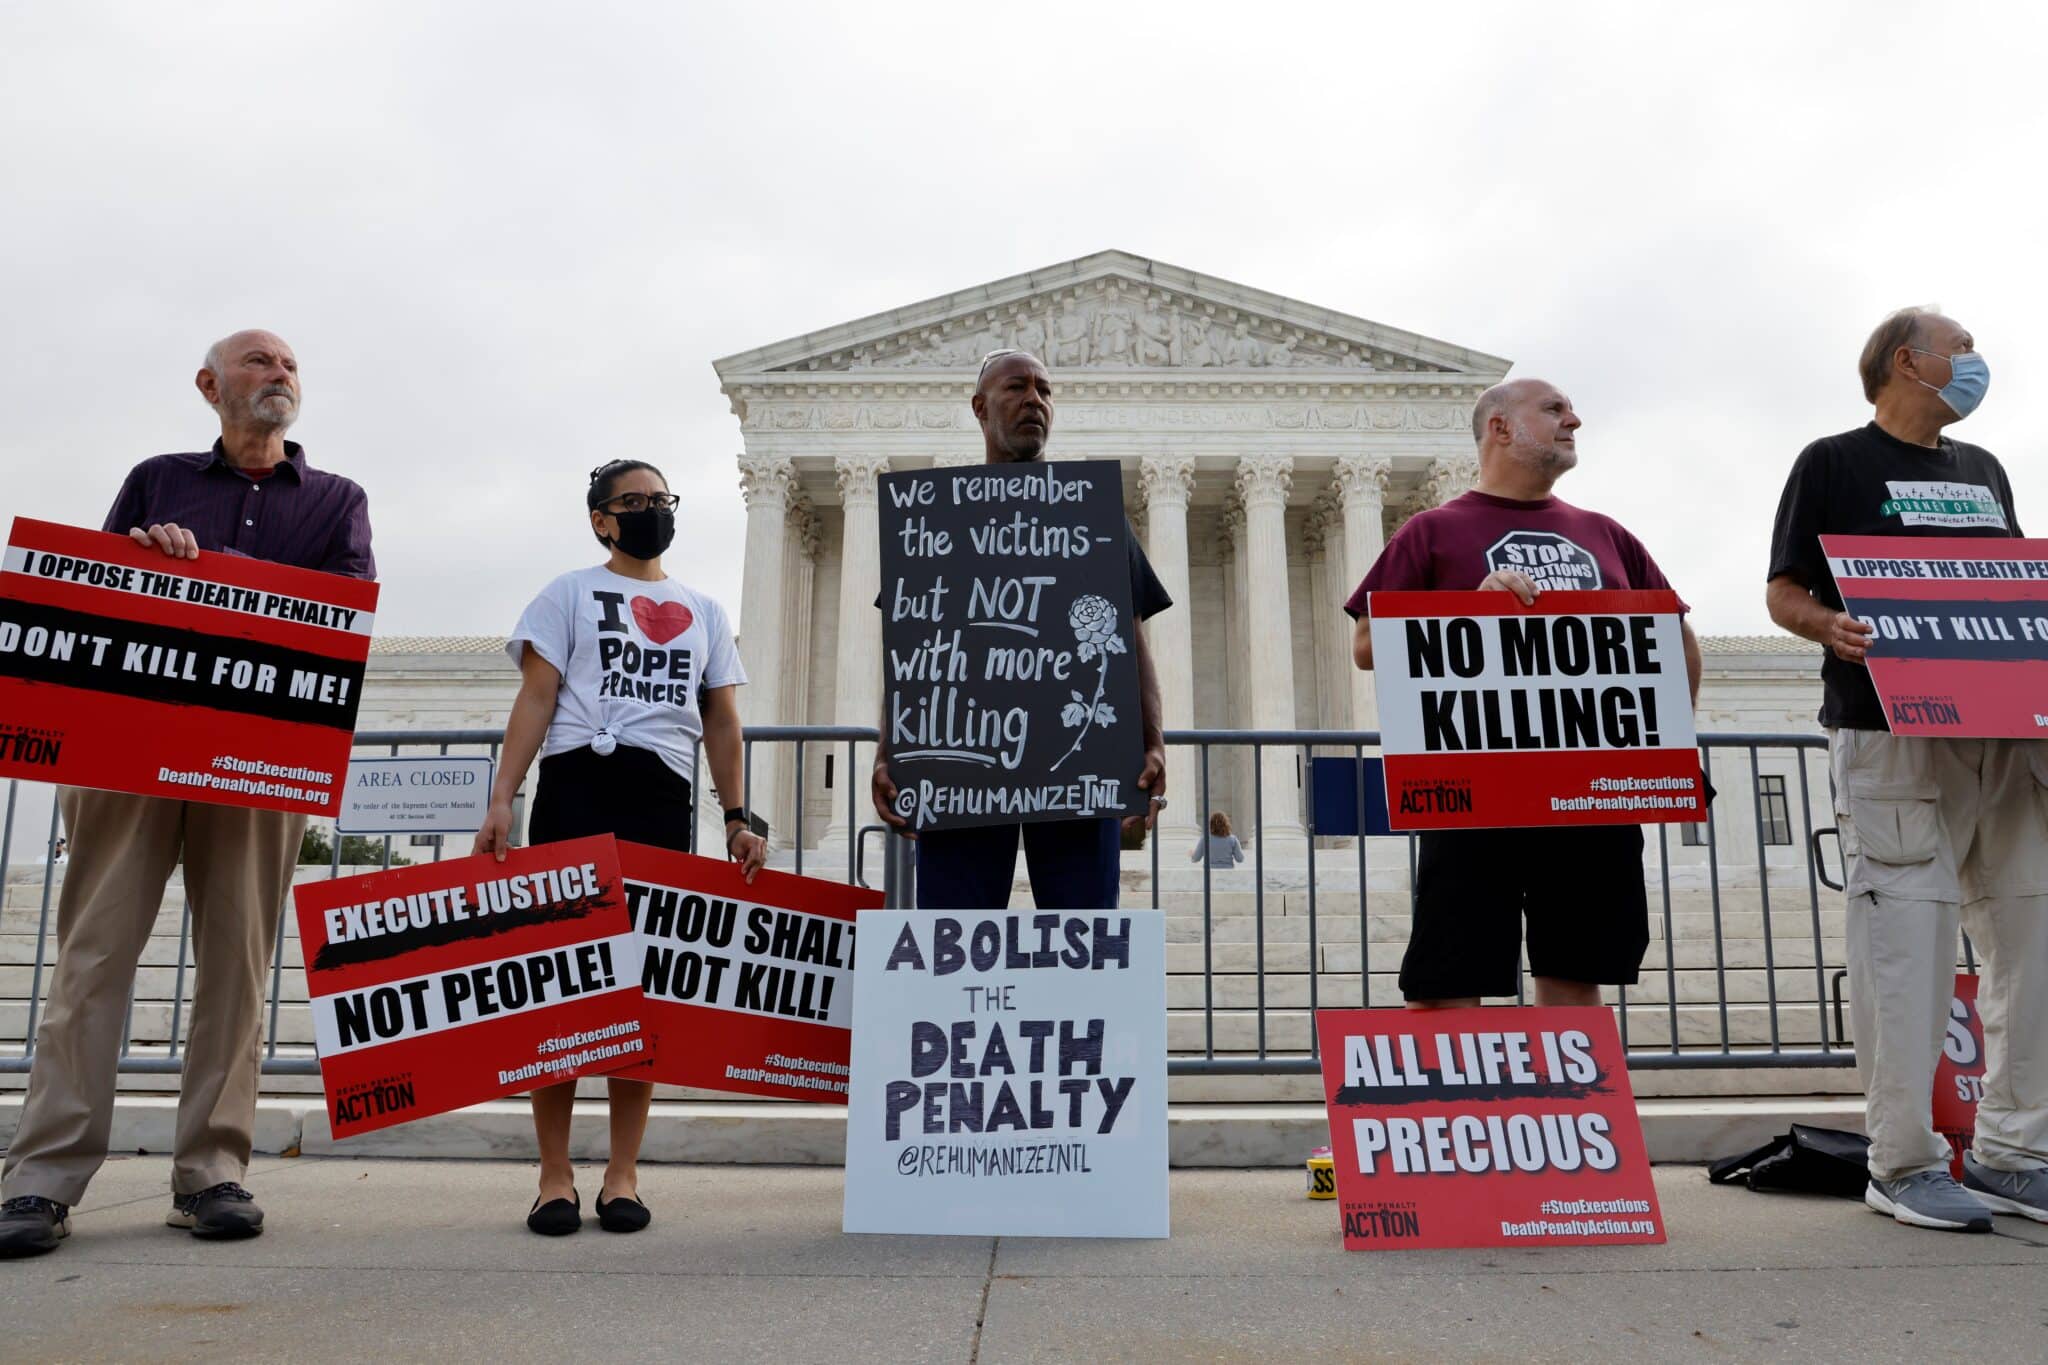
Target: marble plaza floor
413,1260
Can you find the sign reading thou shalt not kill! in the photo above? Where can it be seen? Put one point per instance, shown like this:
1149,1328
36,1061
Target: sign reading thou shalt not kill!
1010,669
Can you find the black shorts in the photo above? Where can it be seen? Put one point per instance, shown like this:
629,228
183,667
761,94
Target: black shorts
1581,887
630,794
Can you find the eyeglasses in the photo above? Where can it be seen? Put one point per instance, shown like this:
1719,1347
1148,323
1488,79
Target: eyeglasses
641,502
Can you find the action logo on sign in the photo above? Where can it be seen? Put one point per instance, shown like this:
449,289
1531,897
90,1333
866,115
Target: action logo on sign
1549,560
1484,1127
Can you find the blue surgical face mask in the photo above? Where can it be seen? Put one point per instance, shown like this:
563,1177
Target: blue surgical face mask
1968,378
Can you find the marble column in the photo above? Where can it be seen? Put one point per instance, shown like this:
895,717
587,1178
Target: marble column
1262,483
1332,691
1166,482
1451,475
1230,785
800,562
858,683
1361,488
768,481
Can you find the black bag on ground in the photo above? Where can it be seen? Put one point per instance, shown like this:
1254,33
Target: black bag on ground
1805,1161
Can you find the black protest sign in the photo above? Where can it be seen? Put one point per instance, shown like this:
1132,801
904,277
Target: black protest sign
1010,669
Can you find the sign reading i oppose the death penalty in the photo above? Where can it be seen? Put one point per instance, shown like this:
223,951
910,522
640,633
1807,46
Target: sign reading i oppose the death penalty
1961,630
1484,1127
1575,711
751,985
1009,1074
447,984
218,679
1010,668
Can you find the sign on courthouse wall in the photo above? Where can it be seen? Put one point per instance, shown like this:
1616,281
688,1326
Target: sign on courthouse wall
220,679
1010,670
1009,1075
1961,630
1575,711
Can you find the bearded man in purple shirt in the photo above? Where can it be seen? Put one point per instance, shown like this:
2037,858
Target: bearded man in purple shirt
1580,887
253,494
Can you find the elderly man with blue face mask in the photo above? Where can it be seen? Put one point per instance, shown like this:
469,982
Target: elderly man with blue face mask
1933,830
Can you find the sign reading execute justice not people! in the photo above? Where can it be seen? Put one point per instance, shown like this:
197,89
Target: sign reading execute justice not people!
1575,711
1010,669
1961,642
447,984
220,679
1484,1127
749,987
1009,1074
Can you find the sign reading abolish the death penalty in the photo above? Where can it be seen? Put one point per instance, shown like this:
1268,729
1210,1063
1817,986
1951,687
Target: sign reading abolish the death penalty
218,679
1010,668
443,985
1574,711
751,986
1484,1127
1961,630
1009,1075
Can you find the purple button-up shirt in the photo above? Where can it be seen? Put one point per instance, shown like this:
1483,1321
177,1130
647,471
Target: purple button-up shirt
298,515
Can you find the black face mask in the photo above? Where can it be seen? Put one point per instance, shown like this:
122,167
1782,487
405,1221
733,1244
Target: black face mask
645,534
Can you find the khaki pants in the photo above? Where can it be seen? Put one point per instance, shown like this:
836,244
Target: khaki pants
1936,831
238,870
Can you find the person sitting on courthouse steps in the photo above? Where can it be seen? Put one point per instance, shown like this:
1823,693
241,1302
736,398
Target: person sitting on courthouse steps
1935,831
1580,887
253,494
1073,864
625,674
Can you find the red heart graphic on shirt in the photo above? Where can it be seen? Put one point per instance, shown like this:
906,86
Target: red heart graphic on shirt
661,621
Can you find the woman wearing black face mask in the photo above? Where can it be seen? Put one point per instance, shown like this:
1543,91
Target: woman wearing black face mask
624,672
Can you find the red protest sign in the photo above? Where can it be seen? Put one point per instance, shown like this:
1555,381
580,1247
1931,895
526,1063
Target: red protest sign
219,679
749,988
1484,1127
443,985
1961,630
1959,1073
1575,711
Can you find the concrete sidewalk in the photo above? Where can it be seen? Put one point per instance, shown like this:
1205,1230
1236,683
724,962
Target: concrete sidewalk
411,1260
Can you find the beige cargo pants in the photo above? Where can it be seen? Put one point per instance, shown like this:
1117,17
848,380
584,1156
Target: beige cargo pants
1935,831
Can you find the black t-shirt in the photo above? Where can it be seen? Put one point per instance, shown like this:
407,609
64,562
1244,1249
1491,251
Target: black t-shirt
1149,596
1870,483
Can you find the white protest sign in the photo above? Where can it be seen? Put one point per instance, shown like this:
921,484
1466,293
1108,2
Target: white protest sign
1008,1074
435,794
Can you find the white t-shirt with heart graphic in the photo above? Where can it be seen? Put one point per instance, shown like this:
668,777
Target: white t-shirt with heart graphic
633,656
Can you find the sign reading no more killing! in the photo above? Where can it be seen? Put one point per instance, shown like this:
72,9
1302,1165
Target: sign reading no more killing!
447,984
1009,1074
220,679
1575,711
1010,667
1484,1127
750,985
1960,643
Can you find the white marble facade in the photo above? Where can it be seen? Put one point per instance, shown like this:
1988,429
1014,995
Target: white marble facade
1269,447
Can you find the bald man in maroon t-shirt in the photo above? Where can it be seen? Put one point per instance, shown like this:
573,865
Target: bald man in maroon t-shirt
1581,887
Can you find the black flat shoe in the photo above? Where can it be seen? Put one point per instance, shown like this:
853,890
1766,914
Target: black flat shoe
557,1217
624,1214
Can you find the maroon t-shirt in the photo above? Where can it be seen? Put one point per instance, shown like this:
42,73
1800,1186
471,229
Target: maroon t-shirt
1454,547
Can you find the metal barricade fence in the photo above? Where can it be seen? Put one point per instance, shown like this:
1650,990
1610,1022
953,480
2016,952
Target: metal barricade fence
1699,1004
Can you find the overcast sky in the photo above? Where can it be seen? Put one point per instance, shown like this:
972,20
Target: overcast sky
507,240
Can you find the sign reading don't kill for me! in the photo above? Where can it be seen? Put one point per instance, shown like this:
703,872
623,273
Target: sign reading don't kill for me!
1010,666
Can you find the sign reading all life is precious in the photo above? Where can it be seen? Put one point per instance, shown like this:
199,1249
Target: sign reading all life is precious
1010,667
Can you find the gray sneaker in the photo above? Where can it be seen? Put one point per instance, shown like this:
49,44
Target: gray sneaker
1929,1199
2022,1192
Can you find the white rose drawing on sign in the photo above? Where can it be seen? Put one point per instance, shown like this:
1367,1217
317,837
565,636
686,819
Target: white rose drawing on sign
1094,623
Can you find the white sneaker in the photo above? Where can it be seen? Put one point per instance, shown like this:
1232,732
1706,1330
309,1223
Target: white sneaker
2022,1192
